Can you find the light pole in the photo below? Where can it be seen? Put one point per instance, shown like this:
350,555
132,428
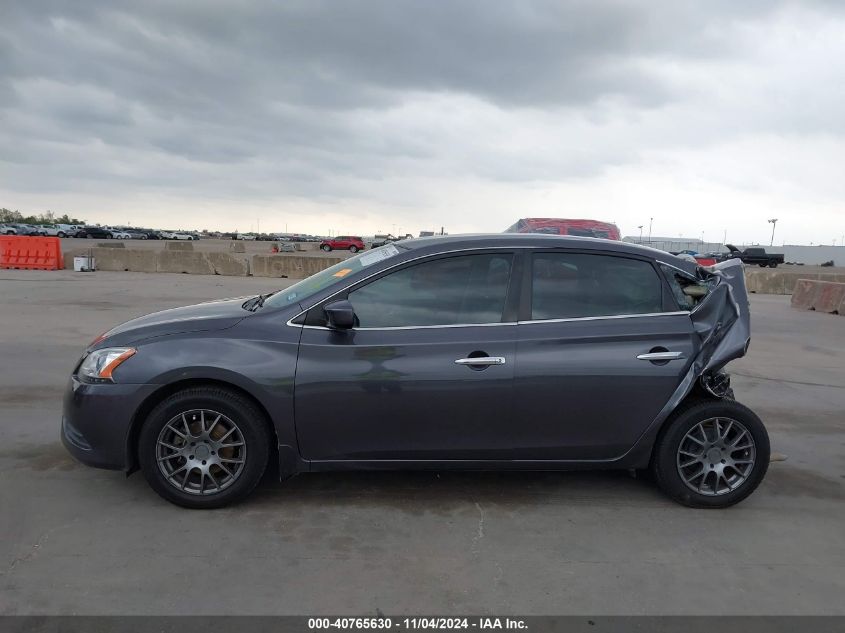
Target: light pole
640,227
773,222
650,222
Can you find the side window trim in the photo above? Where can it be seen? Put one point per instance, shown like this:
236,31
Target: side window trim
526,311
316,314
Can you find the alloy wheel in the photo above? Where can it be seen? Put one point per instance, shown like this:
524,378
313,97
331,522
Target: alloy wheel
201,452
716,456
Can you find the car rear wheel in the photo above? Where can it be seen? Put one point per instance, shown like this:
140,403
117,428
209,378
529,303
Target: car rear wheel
61,234
353,249
711,454
326,248
204,447
773,264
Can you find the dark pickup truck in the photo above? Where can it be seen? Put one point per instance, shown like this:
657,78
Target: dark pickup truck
754,255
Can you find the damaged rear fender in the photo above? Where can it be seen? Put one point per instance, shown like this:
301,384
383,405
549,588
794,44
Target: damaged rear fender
722,321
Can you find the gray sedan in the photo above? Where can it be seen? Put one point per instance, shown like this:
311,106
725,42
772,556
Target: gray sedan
465,352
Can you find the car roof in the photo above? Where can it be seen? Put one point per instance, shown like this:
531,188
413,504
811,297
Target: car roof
533,240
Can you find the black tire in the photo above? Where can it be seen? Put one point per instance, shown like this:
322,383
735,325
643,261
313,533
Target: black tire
326,248
762,265
251,423
61,234
665,468
773,264
353,249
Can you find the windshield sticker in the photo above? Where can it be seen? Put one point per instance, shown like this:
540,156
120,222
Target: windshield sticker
379,255
343,272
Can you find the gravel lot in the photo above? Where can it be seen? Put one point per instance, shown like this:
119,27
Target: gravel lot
84,541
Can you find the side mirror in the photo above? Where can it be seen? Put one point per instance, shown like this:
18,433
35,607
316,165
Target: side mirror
341,315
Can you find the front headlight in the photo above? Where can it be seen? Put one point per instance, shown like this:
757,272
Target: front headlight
100,364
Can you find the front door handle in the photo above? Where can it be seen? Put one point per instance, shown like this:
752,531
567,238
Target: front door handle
653,356
481,360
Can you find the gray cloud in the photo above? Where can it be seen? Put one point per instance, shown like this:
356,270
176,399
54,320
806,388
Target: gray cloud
314,98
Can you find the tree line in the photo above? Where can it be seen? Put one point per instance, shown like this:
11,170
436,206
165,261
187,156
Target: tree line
8,216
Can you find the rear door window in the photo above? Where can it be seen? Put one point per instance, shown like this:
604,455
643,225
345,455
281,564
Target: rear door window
575,285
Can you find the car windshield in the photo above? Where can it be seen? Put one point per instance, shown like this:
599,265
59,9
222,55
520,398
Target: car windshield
315,283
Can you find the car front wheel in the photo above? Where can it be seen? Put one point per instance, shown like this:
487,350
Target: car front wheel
204,447
711,454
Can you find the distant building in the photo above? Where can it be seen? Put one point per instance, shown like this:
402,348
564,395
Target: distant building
676,244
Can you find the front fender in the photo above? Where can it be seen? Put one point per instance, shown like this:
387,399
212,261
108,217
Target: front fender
263,369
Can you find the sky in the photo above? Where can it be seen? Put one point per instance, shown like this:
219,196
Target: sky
703,119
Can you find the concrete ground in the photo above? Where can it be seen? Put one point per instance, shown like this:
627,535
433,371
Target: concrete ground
78,540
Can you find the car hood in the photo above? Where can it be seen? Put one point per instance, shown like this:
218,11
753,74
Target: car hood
202,317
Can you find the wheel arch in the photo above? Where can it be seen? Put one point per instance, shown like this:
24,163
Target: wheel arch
143,411
640,456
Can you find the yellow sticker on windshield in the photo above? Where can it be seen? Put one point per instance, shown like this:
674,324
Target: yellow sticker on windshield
343,272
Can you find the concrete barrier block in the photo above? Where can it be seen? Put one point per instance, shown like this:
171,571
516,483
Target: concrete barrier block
111,245
294,266
804,294
114,259
829,297
175,261
142,261
179,246
227,264
237,246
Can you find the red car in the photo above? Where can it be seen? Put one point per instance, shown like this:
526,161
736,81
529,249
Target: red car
562,226
343,243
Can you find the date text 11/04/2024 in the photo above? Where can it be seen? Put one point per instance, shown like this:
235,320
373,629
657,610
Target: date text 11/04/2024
418,623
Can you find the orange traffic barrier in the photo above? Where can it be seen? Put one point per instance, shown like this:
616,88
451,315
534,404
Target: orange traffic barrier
31,253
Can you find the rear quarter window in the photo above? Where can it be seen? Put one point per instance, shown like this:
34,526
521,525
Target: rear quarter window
687,291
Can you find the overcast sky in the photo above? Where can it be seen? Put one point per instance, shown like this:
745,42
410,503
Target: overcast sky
365,116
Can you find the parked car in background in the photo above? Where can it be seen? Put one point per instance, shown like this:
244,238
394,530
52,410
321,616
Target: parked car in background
245,236
754,255
94,232
444,353
176,235
59,230
566,226
349,243
121,235
8,229
137,234
25,229
381,240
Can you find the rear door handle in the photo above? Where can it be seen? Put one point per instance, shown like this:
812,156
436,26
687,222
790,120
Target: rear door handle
652,356
482,360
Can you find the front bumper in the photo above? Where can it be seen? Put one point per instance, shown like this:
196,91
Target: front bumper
97,421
